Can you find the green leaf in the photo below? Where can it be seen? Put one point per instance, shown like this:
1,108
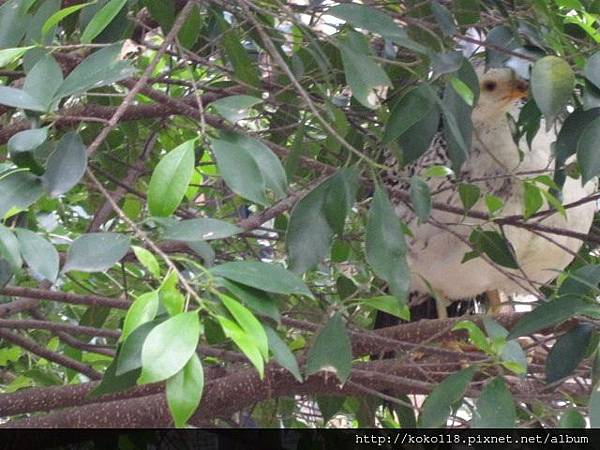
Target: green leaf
463,90
235,107
582,282
148,260
39,254
170,179
170,297
19,189
282,354
331,350
101,68
19,99
101,20
10,55
169,347
248,323
495,246
548,314
436,408
572,418
409,110
114,383
495,407
567,352
184,391
420,198
249,167
96,252
27,140
376,21
476,336
532,199
592,69
43,80
469,194
267,277
388,304
203,229
255,299
385,245
143,310
130,352
55,18
317,217
66,165
587,151
364,76
444,18
570,133
329,405
9,248
417,139
244,343
552,83
594,409
438,172
13,23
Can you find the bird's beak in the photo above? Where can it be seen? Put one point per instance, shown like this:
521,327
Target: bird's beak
519,89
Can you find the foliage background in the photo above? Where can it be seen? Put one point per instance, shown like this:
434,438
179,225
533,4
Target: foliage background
193,228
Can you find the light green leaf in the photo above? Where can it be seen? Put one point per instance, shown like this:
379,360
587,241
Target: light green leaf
39,254
101,20
259,301
27,140
148,260
143,310
170,179
267,277
184,391
388,304
572,418
203,229
66,165
244,342
55,18
43,80
96,252
331,351
552,83
248,323
10,55
169,347
19,99
495,407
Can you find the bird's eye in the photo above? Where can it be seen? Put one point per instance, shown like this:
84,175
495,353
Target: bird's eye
489,86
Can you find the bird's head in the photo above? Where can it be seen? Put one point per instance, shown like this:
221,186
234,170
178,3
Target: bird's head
500,91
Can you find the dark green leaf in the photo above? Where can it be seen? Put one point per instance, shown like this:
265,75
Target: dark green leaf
567,352
9,248
39,254
420,198
594,409
113,383
444,18
66,165
582,282
130,352
263,276
592,69
170,179
184,391
436,408
469,194
96,252
19,99
169,347
572,419
588,156
235,107
548,314
409,110
329,405
495,246
495,407
570,133
331,350
255,299
203,229
249,167
385,246
552,83
282,354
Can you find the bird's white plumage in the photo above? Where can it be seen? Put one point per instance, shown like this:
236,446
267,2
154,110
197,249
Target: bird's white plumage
437,247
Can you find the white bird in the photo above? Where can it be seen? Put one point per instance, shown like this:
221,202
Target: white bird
438,246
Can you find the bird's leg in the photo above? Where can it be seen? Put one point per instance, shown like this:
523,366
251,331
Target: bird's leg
441,303
495,301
